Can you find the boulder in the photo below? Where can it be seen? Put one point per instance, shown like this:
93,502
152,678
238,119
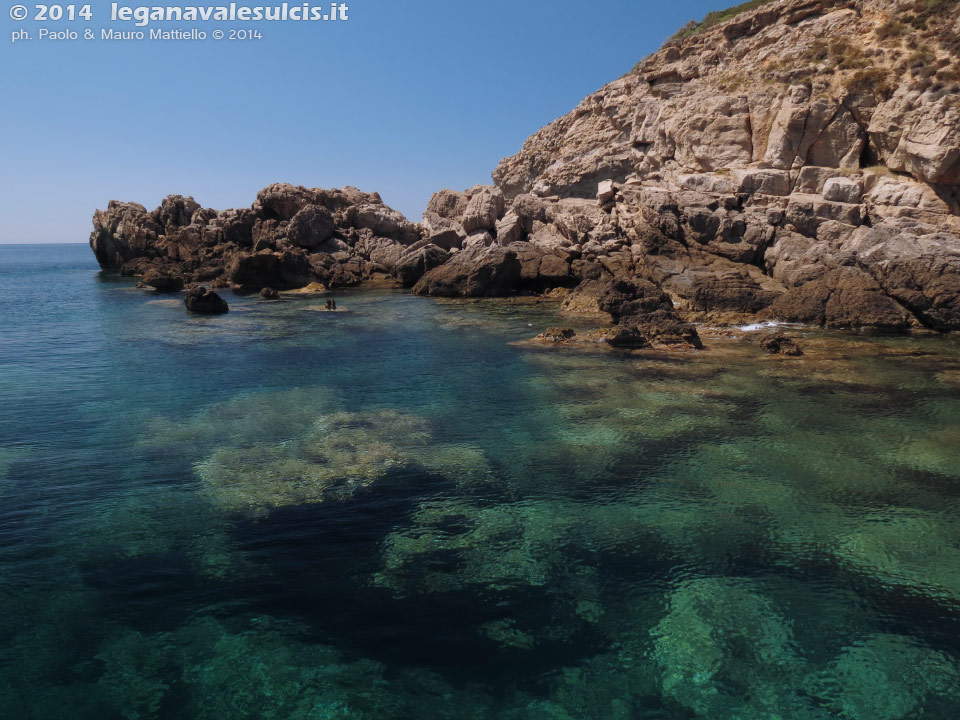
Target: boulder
311,227
780,344
767,182
623,298
203,301
269,293
658,330
259,270
448,204
842,298
165,282
485,207
843,190
383,222
418,260
481,272
123,232
509,229
281,201
606,191
176,211
445,239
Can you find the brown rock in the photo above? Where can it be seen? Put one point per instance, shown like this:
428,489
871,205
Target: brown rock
416,261
485,207
311,227
781,345
482,272
202,301
556,335
166,282
842,298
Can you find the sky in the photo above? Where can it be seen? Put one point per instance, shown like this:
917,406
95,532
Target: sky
404,98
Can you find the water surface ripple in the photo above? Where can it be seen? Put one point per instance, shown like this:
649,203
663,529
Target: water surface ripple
397,511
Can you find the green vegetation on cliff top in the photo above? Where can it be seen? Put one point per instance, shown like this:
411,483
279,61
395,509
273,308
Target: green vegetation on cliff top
716,17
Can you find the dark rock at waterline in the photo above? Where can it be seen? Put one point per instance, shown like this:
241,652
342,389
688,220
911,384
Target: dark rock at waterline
479,272
625,297
842,298
311,227
417,260
163,282
781,345
668,331
268,293
289,268
202,301
658,330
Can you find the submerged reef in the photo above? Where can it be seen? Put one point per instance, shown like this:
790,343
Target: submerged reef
268,450
725,652
334,456
884,677
401,512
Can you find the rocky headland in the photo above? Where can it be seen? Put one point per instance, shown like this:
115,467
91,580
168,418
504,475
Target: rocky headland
793,160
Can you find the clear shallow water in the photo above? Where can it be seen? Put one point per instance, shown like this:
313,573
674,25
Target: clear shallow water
394,512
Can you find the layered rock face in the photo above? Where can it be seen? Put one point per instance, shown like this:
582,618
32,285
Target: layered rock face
798,162
290,237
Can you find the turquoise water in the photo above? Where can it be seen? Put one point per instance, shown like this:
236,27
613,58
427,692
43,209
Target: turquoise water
397,512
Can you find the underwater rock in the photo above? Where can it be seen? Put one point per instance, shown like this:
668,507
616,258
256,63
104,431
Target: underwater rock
205,302
266,416
335,454
725,652
133,680
506,634
780,344
499,548
887,677
556,335
908,548
261,669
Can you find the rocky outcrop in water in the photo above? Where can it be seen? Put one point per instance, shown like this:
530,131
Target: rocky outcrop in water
768,166
799,161
203,301
289,238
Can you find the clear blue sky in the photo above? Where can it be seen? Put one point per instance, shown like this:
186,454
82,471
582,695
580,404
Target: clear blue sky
405,98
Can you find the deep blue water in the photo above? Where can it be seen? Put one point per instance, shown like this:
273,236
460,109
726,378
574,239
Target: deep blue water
397,511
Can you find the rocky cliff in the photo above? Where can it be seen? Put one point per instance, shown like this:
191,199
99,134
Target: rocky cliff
797,161
289,238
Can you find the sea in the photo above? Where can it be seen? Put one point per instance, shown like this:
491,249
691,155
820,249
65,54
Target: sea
404,509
